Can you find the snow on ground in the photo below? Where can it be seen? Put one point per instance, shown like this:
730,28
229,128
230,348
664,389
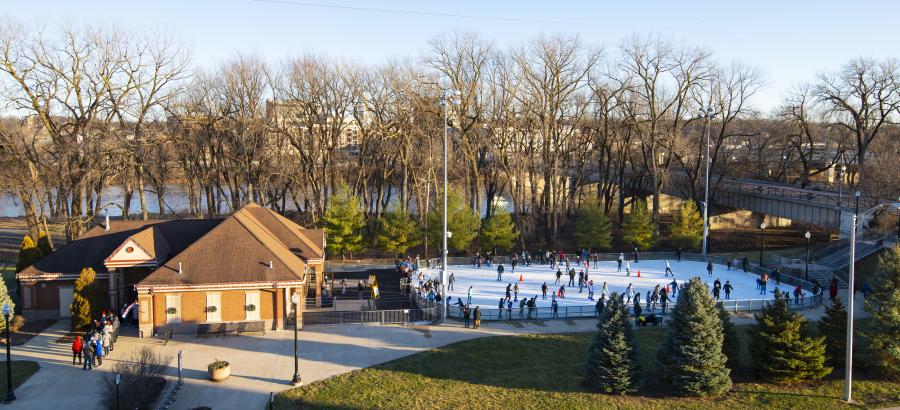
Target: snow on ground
487,291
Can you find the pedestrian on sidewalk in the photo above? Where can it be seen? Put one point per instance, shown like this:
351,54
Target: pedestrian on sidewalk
477,317
98,351
466,314
88,351
77,346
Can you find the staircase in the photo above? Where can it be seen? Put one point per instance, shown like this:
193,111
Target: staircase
841,259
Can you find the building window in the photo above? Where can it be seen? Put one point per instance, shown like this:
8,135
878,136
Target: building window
252,306
173,308
214,307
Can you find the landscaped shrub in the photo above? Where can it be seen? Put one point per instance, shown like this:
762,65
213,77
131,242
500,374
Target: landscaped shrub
141,382
612,363
783,348
884,306
691,359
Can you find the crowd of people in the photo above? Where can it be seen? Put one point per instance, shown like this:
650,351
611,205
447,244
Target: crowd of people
97,341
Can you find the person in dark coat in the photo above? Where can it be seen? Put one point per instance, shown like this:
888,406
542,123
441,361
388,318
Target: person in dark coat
637,311
709,267
477,317
678,254
636,256
544,291
466,314
727,288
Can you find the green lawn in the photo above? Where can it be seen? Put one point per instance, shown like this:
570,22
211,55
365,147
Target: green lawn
21,371
543,371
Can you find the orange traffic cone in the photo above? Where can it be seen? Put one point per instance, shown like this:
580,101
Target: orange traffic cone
639,273
520,278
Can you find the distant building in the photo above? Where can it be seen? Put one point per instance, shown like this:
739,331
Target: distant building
244,267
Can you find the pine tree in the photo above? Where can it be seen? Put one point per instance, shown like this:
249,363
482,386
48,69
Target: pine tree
498,231
612,364
834,327
687,231
6,298
782,347
691,357
638,228
28,254
344,221
397,231
82,296
44,243
592,228
462,222
731,344
884,306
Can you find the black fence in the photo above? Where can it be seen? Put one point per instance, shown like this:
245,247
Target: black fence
396,316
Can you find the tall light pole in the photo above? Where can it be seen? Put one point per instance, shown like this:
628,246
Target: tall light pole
807,235
848,364
709,114
762,241
296,380
448,96
843,169
10,393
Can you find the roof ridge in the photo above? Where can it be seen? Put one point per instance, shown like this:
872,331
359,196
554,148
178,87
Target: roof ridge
284,220
240,215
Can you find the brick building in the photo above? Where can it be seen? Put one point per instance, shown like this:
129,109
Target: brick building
242,268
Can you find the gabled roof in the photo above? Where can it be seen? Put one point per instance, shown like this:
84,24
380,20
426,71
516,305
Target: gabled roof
153,249
305,243
238,250
92,248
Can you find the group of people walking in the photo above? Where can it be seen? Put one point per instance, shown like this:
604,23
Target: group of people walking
97,342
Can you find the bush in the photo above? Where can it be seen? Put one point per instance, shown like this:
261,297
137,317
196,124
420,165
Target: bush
218,364
141,381
782,347
592,228
731,343
687,231
834,327
638,228
612,363
691,358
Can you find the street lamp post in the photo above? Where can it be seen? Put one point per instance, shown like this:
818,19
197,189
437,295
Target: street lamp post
856,209
709,115
807,235
296,380
762,241
10,394
843,169
848,364
447,97
118,380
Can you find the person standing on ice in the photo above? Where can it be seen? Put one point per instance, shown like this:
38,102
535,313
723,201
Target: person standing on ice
571,278
516,292
728,289
469,296
562,292
450,281
554,307
619,260
580,281
636,256
605,291
515,261
508,308
544,291
508,290
678,254
591,290
627,268
558,276
669,269
502,302
709,267
500,273
663,299
629,292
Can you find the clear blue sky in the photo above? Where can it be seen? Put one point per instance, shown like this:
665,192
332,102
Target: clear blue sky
789,40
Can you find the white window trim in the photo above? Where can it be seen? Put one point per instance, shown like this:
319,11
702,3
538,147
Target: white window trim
218,312
176,318
255,314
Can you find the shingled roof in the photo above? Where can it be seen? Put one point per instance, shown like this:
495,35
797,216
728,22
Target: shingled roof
239,250
92,248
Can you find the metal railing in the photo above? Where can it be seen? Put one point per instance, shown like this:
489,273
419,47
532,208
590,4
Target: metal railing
397,316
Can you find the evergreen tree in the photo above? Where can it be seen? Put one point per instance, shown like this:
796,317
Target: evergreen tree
397,231
638,228
731,344
28,254
44,244
6,298
834,327
344,221
498,231
687,232
612,363
82,298
884,306
782,348
462,222
592,228
691,358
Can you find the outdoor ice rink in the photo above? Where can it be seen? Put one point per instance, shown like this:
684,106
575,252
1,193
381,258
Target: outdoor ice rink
487,291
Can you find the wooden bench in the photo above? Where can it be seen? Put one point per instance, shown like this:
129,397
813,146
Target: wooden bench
207,329
251,327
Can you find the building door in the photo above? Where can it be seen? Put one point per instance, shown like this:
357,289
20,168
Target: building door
252,305
65,301
173,308
213,307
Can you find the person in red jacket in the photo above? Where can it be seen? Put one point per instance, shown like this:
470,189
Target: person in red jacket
77,345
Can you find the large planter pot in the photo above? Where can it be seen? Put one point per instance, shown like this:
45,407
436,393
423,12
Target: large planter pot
218,375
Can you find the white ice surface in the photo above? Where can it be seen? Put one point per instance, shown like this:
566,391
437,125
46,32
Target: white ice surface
487,291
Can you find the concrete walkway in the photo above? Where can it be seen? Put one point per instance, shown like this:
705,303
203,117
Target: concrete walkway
261,364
